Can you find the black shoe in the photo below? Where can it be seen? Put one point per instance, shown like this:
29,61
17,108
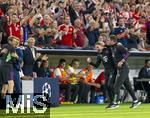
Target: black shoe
113,106
135,104
78,102
108,106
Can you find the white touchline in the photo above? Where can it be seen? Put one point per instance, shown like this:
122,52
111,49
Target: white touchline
107,113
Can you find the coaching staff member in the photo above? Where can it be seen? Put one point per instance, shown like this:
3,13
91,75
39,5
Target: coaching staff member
105,56
120,56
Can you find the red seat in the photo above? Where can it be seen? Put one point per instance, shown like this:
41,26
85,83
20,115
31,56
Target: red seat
100,78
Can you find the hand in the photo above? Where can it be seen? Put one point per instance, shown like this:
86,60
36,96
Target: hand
92,81
3,91
53,41
34,75
89,60
85,82
49,30
5,34
69,81
82,74
38,55
120,63
14,55
4,51
102,19
63,32
97,85
45,57
121,35
70,2
127,31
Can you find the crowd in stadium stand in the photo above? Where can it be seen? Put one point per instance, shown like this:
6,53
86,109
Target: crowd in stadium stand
66,24
76,23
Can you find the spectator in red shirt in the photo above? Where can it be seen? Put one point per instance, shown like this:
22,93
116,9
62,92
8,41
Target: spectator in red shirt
14,26
66,34
134,13
80,39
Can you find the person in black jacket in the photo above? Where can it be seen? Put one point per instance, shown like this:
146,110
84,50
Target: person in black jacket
17,80
145,71
145,74
120,56
44,70
72,13
76,10
105,56
90,6
29,57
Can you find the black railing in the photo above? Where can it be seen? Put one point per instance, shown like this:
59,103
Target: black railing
86,52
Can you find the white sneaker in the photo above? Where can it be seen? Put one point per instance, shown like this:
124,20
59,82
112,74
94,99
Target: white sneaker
113,106
135,104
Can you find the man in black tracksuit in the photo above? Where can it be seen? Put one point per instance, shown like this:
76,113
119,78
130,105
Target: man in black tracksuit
120,56
105,56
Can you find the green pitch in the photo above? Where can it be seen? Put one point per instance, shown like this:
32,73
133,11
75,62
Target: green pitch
99,111
87,111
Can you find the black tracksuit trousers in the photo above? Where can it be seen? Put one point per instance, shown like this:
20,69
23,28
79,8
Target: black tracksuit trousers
123,79
110,76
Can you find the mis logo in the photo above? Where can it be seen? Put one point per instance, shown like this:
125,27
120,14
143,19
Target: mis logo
33,100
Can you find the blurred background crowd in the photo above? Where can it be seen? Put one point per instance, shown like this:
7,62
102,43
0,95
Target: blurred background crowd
79,24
